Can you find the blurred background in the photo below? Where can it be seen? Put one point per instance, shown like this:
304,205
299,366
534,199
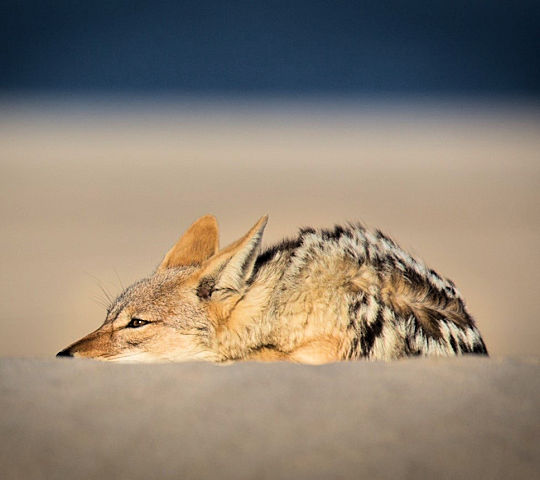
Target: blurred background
122,122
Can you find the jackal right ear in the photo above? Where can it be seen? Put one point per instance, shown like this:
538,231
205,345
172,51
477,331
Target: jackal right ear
197,245
233,266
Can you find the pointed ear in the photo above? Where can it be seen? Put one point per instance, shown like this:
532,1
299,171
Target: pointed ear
233,266
197,245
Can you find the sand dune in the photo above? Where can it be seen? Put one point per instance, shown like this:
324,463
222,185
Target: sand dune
449,419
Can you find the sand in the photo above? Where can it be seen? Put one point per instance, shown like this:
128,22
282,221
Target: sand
448,419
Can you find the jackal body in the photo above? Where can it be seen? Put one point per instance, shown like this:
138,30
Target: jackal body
328,295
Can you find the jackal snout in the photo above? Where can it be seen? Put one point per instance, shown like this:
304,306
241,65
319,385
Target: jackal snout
65,353
89,346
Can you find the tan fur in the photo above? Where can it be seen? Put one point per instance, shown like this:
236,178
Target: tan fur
318,351
326,297
198,244
407,300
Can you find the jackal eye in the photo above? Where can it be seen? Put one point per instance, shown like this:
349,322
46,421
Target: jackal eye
136,323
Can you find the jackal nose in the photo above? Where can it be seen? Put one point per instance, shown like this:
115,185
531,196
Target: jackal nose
65,353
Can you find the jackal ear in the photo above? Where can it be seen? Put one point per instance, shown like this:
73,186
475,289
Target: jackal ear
198,244
233,266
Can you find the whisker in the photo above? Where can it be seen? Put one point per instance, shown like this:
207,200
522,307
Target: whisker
100,301
108,297
119,279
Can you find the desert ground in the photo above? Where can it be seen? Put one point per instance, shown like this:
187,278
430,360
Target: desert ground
449,419
95,191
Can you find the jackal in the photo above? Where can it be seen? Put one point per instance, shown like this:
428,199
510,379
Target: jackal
328,295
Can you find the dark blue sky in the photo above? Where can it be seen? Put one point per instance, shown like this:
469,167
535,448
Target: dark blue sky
482,47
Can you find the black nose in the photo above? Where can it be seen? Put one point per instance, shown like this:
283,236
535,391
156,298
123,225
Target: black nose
64,353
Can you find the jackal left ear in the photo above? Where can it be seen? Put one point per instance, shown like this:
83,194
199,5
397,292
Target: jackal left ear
197,245
233,266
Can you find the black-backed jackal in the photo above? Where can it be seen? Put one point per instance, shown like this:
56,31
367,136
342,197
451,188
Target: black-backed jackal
326,296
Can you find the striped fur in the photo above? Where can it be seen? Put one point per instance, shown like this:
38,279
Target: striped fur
395,305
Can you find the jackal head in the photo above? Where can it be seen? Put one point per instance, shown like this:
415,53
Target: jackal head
173,315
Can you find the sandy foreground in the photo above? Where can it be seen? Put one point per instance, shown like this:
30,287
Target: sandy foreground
449,419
